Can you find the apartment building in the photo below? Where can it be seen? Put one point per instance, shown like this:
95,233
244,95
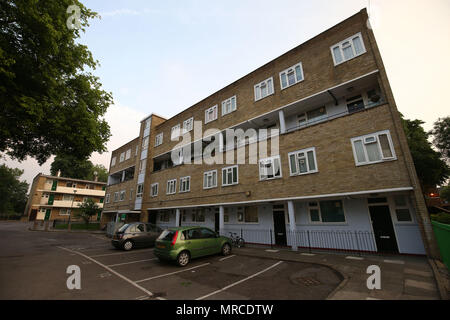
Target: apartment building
56,197
328,167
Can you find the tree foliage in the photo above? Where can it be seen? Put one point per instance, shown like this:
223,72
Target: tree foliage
87,210
441,136
49,102
431,169
13,192
76,168
444,193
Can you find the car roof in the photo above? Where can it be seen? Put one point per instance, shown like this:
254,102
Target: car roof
186,228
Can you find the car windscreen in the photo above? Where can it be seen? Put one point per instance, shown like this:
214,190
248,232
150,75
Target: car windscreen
167,235
123,228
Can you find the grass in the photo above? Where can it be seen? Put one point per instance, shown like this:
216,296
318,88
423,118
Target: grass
79,226
441,217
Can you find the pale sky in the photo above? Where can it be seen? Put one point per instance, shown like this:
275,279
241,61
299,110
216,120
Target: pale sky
164,56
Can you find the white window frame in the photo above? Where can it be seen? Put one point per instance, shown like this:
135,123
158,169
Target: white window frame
288,70
122,195
407,205
113,161
159,139
171,184
188,125
230,102
320,213
183,182
154,187
206,175
107,198
139,190
116,196
257,89
175,132
128,154
122,157
215,114
305,151
350,40
226,169
272,162
376,135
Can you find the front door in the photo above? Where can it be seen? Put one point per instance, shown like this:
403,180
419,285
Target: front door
383,229
152,217
279,227
216,221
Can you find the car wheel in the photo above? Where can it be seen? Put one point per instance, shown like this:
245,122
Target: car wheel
183,258
226,249
128,245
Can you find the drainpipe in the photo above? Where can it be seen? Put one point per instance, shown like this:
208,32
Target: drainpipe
292,226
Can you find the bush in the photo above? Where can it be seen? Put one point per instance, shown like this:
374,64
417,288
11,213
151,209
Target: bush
441,217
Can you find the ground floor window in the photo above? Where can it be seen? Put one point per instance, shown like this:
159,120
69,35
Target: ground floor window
247,214
402,209
164,216
198,215
326,211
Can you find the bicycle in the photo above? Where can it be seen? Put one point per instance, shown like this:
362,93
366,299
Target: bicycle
236,240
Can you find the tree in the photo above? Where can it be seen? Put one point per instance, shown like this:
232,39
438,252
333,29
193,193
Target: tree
441,133
87,209
444,193
49,103
13,192
71,167
430,168
102,173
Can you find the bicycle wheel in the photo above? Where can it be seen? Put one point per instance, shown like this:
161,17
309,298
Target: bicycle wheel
240,243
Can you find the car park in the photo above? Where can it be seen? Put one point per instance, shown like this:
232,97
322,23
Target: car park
182,244
135,235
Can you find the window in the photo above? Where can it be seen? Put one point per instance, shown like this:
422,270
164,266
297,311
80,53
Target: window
63,212
185,184
139,190
326,211
113,161
175,132
128,154
229,176
269,168
122,157
355,104
71,184
226,217
188,125
68,197
142,165
198,215
122,195
107,198
247,214
348,49
240,214
116,196
145,143
312,116
171,186
373,148
147,123
291,76
303,161
154,189
158,139
264,89
402,209
228,105
206,233
211,114
210,179
164,216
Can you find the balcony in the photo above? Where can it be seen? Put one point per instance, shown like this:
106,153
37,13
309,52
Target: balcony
121,176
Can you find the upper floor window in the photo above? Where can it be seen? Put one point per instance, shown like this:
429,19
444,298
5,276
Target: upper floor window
291,75
139,190
122,195
303,161
228,105
348,49
113,161
107,198
185,184
175,132
116,196
264,89
171,186
128,154
188,124
158,139
210,179
122,157
154,189
229,176
373,148
312,116
145,143
355,104
270,168
147,123
142,165
211,114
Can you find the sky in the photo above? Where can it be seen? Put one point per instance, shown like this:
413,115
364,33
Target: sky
164,56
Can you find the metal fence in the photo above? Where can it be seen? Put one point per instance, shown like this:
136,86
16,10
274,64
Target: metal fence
348,241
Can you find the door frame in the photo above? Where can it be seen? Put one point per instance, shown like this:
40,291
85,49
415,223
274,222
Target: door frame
389,205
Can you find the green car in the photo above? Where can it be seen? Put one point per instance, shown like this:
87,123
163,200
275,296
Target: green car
182,244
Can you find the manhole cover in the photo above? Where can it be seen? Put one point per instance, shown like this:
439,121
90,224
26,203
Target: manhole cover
307,281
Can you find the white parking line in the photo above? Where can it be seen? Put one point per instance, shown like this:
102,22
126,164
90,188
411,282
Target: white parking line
110,270
307,254
171,273
395,261
121,264
354,258
233,255
240,281
117,253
